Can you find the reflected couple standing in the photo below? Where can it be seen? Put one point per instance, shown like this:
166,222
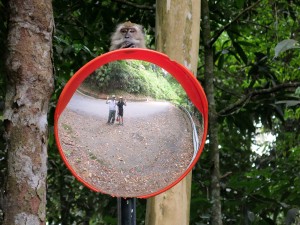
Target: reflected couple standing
113,107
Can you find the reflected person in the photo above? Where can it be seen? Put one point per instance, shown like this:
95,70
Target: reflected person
120,105
112,103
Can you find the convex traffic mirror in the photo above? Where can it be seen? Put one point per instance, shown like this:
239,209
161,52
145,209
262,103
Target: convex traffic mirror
158,141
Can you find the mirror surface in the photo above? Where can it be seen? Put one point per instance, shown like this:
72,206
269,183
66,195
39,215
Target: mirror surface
151,149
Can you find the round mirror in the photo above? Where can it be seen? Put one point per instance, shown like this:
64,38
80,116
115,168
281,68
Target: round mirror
150,143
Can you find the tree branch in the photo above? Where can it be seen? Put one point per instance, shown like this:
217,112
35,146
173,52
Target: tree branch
225,175
125,2
220,31
231,109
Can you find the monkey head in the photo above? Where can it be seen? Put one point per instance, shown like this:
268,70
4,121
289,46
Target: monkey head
128,35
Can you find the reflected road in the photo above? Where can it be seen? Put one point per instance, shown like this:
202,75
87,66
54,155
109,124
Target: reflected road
148,153
98,107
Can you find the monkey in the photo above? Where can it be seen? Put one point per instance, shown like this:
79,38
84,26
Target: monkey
128,35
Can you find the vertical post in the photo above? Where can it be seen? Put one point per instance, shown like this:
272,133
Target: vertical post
127,211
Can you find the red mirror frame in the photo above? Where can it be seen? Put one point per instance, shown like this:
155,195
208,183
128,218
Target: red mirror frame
187,80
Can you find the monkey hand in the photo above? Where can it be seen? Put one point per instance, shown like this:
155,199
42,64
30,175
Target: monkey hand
128,44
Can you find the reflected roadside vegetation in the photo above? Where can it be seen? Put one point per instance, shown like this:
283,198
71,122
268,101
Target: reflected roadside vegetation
137,78
150,151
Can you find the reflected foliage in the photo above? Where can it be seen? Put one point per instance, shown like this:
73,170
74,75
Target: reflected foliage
135,77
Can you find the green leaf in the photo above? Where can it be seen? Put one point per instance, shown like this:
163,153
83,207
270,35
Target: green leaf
284,46
297,92
221,62
240,51
239,3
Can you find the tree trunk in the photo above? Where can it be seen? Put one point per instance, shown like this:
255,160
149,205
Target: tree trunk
29,88
216,214
178,30
177,35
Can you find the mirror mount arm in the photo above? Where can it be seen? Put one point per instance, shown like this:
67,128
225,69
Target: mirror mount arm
127,211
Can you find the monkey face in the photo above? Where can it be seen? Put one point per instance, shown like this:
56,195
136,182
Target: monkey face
128,35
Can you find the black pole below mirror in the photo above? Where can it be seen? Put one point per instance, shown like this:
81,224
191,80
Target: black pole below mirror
126,211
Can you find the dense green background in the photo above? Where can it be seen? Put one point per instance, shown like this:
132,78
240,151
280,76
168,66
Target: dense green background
255,188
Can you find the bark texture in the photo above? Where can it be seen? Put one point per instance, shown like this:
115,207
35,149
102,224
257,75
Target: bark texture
177,35
29,87
216,213
178,30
